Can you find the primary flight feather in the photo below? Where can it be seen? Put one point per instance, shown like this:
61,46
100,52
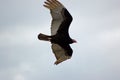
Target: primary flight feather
60,39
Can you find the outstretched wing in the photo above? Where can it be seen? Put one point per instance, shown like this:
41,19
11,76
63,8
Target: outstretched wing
59,17
56,13
60,53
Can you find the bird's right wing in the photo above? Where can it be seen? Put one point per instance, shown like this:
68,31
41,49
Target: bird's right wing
56,9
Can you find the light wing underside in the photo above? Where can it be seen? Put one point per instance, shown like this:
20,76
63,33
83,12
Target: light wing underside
57,19
59,53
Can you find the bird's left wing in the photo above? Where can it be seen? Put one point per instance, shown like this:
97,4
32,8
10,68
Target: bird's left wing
60,53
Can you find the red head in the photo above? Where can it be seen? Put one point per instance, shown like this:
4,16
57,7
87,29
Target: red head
74,41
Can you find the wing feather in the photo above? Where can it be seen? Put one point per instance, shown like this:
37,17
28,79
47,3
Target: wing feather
57,19
59,53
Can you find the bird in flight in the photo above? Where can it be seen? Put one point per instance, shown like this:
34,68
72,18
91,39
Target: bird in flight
59,38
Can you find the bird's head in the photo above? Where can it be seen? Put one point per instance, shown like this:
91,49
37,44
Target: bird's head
74,41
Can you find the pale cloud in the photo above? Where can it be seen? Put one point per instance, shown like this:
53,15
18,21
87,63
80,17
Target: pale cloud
19,77
110,38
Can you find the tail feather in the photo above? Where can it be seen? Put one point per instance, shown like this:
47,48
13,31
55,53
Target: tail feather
44,37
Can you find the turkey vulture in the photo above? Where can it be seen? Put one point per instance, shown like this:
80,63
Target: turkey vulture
60,39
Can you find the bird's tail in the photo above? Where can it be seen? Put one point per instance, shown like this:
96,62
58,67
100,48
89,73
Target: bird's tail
44,37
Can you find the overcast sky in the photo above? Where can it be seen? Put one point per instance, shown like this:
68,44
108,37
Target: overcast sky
95,26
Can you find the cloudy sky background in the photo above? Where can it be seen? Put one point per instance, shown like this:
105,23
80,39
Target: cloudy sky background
96,27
